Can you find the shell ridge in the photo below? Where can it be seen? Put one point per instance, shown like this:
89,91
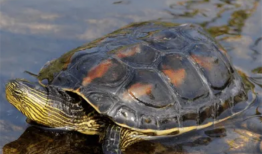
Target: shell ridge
223,58
174,95
200,74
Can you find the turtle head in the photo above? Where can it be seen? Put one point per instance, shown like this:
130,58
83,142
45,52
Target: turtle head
52,107
28,97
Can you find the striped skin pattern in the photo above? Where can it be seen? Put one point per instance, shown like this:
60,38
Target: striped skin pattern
53,108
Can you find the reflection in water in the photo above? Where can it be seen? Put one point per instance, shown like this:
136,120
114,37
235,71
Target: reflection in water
37,141
236,136
256,53
122,2
236,24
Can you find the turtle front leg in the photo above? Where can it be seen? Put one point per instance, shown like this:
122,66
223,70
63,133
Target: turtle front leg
116,139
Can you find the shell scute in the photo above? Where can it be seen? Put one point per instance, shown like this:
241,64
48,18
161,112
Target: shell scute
102,101
169,122
190,118
148,89
126,116
97,72
66,80
183,76
213,67
138,55
148,122
109,72
167,40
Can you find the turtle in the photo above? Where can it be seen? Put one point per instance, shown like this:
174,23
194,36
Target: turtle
145,81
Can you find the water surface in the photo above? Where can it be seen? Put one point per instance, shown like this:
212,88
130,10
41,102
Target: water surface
34,32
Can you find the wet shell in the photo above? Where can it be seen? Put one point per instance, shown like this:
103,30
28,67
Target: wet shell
152,76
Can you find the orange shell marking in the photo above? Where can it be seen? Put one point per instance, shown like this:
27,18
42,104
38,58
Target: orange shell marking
223,51
204,62
97,72
137,90
177,77
129,52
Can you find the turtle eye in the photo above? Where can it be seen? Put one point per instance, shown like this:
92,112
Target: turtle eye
17,93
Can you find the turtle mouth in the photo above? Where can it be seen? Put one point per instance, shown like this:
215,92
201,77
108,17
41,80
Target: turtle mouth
14,93
20,93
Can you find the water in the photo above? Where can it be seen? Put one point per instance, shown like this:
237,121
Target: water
34,32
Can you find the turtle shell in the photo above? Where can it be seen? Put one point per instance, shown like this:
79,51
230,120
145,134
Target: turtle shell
152,77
